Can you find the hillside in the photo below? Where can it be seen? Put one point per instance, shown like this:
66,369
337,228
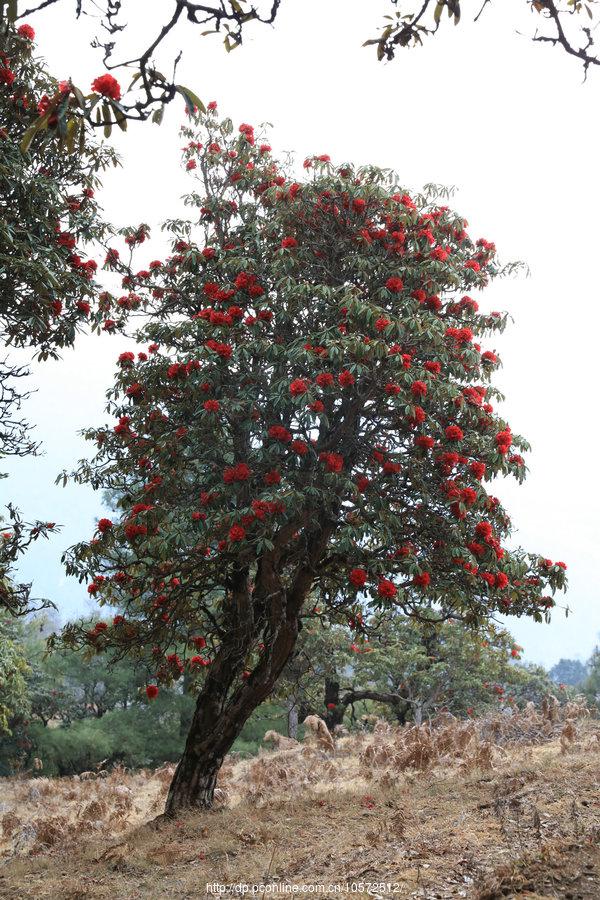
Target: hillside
501,807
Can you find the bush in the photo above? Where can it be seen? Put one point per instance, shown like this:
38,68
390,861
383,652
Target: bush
142,736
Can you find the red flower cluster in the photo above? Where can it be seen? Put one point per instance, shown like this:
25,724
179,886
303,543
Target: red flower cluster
386,589
26,31
395,285
333,461
298,387
107,86
239,472
279,433
358,578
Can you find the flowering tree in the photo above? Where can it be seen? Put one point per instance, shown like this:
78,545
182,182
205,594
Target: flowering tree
410,670
311,413
48,210
47,216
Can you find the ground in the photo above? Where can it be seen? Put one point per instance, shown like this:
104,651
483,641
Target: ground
504,807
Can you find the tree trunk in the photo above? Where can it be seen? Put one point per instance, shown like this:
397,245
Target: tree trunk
334,716
219,719
292,719
227,700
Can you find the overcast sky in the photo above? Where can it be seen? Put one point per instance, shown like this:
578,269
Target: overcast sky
509,123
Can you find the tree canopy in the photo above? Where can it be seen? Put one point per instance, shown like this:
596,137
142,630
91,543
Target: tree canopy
308,409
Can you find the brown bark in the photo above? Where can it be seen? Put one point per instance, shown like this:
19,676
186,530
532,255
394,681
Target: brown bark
226,701
218,720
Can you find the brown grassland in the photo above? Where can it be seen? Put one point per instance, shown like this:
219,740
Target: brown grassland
490,808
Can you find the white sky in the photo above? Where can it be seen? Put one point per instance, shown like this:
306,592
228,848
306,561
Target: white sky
480,107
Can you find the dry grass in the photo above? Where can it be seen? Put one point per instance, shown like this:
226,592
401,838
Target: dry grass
501,807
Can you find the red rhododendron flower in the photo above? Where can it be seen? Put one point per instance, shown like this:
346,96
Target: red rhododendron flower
454,433
484,530
299,447
279,433
418,389
298,387
395,285
212,405
237,533
152,691
422,580
239,472
108,86
288,243
346,379
358,577
478,469
324,379
425,442
104,525
26,31
335,462
386,589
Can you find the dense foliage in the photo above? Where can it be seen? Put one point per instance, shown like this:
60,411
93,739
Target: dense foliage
48,217
407,672
13,674
48,212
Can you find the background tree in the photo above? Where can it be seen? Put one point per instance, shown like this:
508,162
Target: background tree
406,673
311,412
591,685
569,671
65,713
568,24
13,673
48,216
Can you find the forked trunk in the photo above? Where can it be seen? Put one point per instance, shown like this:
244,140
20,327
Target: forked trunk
219,720
222,708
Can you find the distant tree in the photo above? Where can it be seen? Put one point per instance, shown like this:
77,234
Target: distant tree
14,670
568,24
309,411
568,671
405,671
591,685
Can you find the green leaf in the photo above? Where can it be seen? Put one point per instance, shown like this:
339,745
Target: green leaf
107,120
191,99
71,134
40,124
157,115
